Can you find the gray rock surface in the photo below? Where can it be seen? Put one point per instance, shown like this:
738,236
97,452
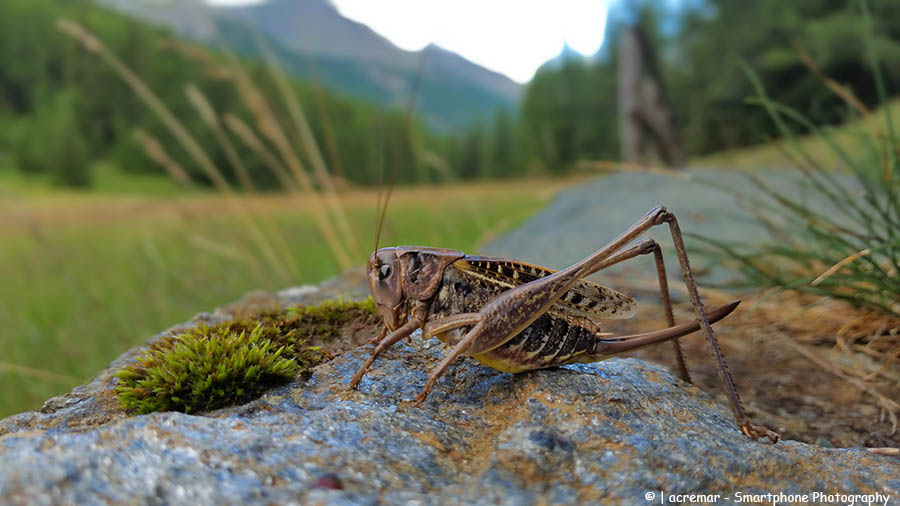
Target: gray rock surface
609,432
606,432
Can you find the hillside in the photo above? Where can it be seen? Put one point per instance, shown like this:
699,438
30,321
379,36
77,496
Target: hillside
857,137
82,116
312,40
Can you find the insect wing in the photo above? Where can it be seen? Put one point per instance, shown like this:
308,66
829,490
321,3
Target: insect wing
584,299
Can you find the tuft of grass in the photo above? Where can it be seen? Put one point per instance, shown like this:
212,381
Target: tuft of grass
210,367
848,250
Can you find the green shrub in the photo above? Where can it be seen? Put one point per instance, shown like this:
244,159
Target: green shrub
52,142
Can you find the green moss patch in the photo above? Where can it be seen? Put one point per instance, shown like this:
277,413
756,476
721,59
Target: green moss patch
209,367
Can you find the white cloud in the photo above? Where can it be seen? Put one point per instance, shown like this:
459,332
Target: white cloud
508,36
233,2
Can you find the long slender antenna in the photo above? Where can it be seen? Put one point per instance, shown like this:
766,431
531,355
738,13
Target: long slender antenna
381,205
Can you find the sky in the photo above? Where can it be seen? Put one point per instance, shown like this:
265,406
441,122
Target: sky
513,37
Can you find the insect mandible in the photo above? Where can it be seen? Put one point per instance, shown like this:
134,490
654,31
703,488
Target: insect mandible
517,317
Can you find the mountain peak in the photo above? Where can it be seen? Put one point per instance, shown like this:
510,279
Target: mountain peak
311,38
567,53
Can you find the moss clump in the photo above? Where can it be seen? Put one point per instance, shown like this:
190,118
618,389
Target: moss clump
233,362
326,320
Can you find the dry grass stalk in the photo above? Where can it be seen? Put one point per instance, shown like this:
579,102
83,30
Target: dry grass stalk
836,267
330,139
268,125
189,51
146,95
311,147
223,250
156,152
208,113
37,373
246,134
842,91
199,101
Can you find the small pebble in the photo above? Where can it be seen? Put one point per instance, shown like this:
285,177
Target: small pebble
327,481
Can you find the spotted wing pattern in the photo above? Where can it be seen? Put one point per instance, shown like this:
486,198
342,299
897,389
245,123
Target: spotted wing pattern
585,299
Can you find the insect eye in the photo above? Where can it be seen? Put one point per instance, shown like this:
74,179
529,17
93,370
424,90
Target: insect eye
384,272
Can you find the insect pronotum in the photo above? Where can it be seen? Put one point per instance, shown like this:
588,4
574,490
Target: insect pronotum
516,317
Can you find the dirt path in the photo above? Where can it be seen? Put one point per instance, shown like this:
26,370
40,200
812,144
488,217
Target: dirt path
583,218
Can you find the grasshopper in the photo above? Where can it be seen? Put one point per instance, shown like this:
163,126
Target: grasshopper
515,317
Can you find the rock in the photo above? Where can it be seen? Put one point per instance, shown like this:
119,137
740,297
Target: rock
606,432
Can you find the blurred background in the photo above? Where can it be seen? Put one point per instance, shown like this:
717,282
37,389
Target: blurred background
161,158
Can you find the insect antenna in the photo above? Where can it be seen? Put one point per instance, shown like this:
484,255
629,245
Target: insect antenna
383,197
381,204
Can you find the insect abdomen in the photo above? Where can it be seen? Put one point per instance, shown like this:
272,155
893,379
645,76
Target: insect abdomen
548,342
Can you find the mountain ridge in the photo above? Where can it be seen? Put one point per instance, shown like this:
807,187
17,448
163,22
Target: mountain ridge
312,40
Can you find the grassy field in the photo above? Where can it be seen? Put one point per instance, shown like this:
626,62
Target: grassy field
87,276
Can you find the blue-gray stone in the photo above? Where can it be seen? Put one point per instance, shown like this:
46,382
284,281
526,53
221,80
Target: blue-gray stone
597,433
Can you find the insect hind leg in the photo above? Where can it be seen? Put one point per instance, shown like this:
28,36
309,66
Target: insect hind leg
659,215
649,246
743,421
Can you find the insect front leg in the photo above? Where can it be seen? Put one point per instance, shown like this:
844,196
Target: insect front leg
416,320
377,339
458,350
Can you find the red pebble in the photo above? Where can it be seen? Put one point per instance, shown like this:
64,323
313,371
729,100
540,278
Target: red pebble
327,481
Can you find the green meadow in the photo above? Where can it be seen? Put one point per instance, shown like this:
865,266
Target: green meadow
86,276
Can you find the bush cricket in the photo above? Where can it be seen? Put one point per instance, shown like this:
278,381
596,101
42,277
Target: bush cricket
517,317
